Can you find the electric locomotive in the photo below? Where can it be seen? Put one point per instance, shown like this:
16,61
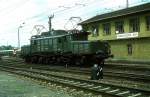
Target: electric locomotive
62,47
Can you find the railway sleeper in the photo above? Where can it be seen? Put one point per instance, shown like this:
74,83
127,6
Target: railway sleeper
124,93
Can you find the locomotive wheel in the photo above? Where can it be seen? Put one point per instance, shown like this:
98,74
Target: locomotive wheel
40,60
33,59
47,61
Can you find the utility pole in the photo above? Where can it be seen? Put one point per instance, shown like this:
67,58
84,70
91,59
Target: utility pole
50,22
127,3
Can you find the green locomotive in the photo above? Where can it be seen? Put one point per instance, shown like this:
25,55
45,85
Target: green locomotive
65,47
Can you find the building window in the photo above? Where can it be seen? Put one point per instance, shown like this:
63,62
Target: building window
95,30
119,25
148,23
129,47
106,29
134,25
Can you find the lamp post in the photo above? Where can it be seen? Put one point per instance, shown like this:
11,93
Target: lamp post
21,25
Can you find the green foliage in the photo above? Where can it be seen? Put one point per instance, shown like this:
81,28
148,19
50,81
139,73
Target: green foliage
9,47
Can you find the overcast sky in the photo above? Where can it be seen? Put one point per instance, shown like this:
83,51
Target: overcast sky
14,13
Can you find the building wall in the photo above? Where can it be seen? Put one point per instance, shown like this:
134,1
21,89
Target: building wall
140,49
143,32
140,44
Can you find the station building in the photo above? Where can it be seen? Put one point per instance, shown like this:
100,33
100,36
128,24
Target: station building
127,31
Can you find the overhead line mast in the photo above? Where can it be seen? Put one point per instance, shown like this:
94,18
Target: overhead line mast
50,22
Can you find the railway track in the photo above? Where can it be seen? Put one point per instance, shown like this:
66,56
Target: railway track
130,76
99,88
127,79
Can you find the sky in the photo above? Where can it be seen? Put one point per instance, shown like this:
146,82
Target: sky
23,15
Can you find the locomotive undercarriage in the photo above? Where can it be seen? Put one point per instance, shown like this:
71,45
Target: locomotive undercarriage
65,59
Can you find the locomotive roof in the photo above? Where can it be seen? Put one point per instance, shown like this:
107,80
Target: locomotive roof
50,37
86,41
25,45
56,36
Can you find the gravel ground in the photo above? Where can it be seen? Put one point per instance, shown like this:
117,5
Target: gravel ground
108,80
17,86
11,86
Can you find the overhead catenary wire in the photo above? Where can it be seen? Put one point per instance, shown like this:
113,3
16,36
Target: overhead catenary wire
55,10
59,12
87,13
11,8
69,10
83,2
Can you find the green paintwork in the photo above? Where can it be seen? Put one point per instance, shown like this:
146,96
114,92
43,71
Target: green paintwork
50,44
25,50
64,48
88,47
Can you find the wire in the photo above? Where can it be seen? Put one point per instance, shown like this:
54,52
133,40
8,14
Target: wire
56,10
11,8
92,10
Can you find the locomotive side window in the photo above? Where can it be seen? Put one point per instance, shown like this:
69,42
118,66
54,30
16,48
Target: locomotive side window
55,43
42,45
50,44
46,44
46,41
129,47
65,38
34,42
38,45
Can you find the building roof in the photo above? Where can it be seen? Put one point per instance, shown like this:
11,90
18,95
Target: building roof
122,12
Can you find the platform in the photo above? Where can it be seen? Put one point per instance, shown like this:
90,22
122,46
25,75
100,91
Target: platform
13,86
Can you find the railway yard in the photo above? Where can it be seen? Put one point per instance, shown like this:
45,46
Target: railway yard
101,51
120,80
